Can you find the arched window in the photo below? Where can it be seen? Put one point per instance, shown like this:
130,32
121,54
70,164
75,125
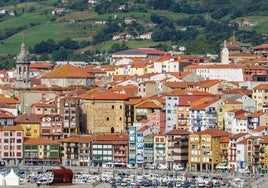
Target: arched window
112,129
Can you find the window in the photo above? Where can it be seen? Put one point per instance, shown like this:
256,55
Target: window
107,119
112,106
18,140
19,133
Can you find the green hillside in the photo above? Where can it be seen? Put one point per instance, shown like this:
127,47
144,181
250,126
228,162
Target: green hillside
172,23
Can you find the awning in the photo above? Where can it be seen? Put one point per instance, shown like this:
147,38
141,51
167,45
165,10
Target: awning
222,166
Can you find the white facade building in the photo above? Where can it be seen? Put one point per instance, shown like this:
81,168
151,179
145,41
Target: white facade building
230,73
170,64
236,123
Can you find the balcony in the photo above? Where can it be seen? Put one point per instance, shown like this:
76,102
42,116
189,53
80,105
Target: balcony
119,155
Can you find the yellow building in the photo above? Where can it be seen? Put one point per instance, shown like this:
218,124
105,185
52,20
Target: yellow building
260,95
30,124
225,106
204,151
264,154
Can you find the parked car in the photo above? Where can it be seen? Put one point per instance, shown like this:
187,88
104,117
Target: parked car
209,184
162,167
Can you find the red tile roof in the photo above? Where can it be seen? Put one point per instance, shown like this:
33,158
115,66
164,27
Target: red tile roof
178,132
28,118
8,100
68,71
178,92
238,135
257,114
106,95
41,65
262,46
148,105
6,114
260,128
261,87
214,132
77,139
203,103
39,141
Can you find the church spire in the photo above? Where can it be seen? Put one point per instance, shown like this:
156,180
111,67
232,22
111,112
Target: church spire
23,55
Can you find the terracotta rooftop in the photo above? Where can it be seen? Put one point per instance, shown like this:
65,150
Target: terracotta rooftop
106,95
8,99
178,132
238,135
41,65
77,139
27,118
224,139
208,83
203,103
6,114
127,89
214,132
261,87
177,85
260,128
68,71
148,105
39,141
178,92
260,47
257,114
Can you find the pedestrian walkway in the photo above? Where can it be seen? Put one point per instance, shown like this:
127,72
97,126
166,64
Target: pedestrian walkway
103,185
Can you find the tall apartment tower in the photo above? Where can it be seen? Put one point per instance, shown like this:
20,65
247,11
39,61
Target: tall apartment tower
22,80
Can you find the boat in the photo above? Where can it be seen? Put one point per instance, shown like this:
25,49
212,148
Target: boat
44,181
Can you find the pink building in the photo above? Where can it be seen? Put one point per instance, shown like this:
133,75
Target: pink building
11,144
158,118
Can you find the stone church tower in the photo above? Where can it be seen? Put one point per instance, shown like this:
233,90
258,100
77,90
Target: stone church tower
224,54
22,80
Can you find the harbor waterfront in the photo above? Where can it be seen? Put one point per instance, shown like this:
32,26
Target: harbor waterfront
228,178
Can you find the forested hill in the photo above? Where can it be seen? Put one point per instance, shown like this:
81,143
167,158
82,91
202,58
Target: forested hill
198,25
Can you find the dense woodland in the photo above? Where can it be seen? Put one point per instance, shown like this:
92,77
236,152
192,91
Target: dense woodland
204,26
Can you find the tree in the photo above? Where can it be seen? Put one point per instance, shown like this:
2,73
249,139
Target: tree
47,46
61,55
118,47
69,44
102,7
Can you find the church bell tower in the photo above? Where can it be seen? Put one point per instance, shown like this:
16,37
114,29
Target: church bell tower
22,80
